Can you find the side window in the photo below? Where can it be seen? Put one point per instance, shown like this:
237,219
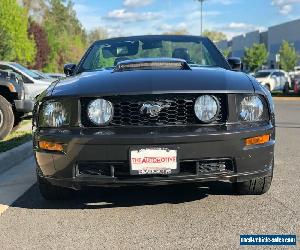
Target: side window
4,67
25,79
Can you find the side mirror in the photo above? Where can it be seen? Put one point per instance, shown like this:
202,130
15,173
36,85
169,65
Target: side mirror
69,69
235,63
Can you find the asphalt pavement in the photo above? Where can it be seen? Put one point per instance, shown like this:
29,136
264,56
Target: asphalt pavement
206,216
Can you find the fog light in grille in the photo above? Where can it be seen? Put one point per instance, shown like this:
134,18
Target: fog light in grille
257,140
207,108
51,146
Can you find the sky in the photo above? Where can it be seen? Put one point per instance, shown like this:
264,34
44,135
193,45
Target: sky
140,17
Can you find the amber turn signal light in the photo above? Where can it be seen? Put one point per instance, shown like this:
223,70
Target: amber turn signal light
11,88
257,140
51,146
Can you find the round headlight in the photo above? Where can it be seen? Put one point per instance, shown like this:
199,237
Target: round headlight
251,108
100,111
54,115
206,108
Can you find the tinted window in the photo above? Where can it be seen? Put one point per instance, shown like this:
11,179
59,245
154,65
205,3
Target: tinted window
262,74
5,67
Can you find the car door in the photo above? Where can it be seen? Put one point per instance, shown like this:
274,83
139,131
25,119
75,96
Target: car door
274,79
282,80
277,78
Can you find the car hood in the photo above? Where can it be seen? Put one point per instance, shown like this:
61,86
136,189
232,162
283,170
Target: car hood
107,82
46,81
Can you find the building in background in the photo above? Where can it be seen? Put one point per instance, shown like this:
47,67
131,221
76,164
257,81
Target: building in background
239,43
289,31
272,38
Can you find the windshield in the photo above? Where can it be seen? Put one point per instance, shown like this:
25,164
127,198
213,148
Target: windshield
27,71
197,52
41,74
262,74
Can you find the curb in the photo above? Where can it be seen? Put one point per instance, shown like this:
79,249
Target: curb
292,98
14,156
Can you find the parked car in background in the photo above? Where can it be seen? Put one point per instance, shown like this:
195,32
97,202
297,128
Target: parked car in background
273,80
13,105
55,75
296,84
295,72
34,84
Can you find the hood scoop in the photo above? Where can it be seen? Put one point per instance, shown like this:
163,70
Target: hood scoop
152,64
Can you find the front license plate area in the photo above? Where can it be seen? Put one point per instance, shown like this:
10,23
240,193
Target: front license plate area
153,161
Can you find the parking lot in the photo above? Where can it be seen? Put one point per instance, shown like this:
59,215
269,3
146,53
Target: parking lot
170,217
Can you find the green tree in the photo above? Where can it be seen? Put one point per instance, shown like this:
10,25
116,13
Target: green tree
66,37
255,56
215,36
288,56
226,52
15,45
180,31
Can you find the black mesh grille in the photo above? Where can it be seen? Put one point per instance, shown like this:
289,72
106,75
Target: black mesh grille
187,167
177,110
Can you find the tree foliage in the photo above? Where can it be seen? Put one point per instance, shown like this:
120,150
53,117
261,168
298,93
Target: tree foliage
66,37
215,36
15,44
256,56
226,52
180,31
288,56
35,9
42,46
97,34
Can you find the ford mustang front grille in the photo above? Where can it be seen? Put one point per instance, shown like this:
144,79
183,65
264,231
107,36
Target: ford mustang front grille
154,110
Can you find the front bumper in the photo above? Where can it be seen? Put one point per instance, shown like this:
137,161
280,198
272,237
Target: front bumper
24,106
195,144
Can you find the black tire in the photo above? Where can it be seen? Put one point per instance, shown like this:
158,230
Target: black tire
256,186
6,117
52,192
286,88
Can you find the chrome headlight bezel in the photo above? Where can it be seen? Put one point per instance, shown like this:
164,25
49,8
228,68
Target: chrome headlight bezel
199,106
102,105
53,114
252,108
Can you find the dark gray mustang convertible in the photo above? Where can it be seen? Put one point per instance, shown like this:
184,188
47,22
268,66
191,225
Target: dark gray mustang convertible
154,110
